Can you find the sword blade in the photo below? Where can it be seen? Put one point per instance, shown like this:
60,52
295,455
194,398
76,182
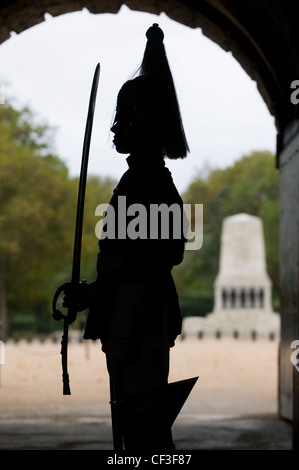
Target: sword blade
83,177
75,278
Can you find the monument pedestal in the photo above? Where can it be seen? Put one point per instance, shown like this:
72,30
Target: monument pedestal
242,289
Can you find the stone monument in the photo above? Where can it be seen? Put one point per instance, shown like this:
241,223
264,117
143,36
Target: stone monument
242,289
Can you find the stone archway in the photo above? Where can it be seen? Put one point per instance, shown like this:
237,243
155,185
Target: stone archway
263,37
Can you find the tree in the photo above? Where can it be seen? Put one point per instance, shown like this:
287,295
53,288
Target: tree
98,191
34,190
251,185
37,221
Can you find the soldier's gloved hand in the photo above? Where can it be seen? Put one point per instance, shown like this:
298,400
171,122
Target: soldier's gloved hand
78,296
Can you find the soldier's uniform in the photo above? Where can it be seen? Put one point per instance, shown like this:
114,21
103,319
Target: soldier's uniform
135,310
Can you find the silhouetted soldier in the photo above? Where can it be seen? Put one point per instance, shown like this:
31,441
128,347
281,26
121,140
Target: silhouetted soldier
134,307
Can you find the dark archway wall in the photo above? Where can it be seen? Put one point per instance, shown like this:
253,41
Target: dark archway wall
263,36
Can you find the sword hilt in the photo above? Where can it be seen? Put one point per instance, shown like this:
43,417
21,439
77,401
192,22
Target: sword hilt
57,314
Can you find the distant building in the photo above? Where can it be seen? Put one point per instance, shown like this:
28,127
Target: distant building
242,289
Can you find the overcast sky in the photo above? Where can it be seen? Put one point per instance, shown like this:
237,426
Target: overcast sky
50,68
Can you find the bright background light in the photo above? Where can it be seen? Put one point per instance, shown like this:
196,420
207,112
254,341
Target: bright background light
50,68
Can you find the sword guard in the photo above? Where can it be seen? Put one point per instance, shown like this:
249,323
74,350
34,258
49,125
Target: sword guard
57,315
76,290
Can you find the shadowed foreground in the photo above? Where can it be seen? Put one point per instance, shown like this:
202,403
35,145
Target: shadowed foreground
89,433
232,407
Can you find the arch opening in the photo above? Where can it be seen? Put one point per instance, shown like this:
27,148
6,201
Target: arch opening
226,26
233,26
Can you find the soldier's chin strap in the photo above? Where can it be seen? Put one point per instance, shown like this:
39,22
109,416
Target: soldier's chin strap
72,312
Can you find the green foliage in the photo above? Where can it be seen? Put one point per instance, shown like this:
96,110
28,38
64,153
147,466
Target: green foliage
37,220
196,303
98,191
251,185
